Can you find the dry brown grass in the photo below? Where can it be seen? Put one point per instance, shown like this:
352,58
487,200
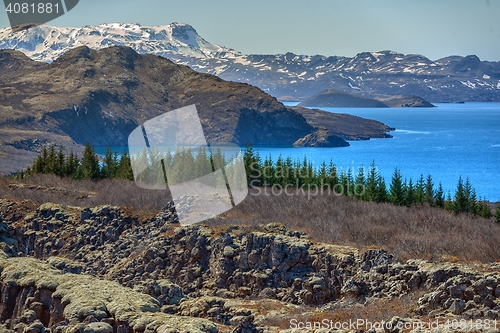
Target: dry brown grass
84,193
416,232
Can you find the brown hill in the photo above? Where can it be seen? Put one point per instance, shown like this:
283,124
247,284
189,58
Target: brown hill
345,125
407,102
339,99
101,96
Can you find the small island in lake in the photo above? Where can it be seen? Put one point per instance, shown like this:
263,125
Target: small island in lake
339,99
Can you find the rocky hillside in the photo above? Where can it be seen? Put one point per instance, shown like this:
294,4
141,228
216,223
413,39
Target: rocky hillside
102,269
340,124
451,79
101,96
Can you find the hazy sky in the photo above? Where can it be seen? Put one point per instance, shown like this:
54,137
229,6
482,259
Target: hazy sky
435,28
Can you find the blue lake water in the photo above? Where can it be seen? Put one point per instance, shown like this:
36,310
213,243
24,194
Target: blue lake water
446,142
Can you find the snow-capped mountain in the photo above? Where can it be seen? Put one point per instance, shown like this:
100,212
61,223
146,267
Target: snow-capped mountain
46,43
288,76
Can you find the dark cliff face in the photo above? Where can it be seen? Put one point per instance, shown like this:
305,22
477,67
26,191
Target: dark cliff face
102,96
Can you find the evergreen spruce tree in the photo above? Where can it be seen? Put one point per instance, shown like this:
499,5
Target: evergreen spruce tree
439,197
382,195
396,190
302,173
90,164
449,204
420,190
279,177
39,166
141,160
253,167
51,164
311,174
333,176
202,163
71,165
484,209
110,164
360,184
460,203
268,171
470,198
410,193
157,163
218,160
124,170
168,159
348,182
289,172
60,162
429,191
323,175
372,182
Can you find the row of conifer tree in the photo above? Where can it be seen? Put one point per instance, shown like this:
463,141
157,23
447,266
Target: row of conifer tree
365,184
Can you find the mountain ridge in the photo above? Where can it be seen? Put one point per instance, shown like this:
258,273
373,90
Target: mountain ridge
101,96
449,79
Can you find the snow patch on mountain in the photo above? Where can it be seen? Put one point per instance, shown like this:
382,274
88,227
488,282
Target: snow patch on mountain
370,73
45,43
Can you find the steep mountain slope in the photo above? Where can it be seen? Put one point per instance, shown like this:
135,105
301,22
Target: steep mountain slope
451,79
101,96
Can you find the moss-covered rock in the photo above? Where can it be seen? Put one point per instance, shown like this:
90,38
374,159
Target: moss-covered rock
71,299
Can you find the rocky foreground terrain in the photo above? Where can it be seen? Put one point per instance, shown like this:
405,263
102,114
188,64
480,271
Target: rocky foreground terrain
102,269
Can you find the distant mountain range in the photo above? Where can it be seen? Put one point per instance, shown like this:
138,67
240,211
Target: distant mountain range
285,76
